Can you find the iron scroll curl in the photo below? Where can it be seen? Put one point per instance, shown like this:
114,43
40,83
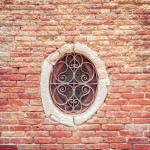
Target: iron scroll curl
73,83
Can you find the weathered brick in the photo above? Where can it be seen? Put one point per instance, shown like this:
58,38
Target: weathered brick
51,146
114,140
22,140
13,133
37,133
60,134
29,146
20,128
41,140
84,134
68,140
92,140
137,140
113,127
141,147
97,146
13,77
8,147
121,146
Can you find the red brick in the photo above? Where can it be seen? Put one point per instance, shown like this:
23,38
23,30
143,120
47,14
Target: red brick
29,96
29,146
64,128
144,32
138,140
51,146
113,127
8,70
35,115
13,77
100,114
8,121
121,90
113,70
142,121
8,83
106,133
114,140
13,90
136,83
140,114
147,134
29,121
110,108
60,134
8,95
132,70
29,70
48,121
98,121
31,108
142,89
32,77
131,133
20,54
68,140
3,128
43,127
28,83
42,140
97,146
121,146
136,127
21,140
117,114
131,108
3,102
90,127
13,134
147,108
120,120
140,77
113,95
20,128
84,134
147,95
18,102
139,102
92,140
32,90
8,147
13,115
37,133
117,83
122,77
116,102
4,141
141,147
9,108
137,95
74,146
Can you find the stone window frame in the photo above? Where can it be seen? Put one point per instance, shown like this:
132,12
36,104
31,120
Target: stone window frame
49,107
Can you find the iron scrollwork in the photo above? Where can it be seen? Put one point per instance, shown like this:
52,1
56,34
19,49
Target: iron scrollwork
73,83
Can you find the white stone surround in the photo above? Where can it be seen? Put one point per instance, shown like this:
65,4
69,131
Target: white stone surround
49,108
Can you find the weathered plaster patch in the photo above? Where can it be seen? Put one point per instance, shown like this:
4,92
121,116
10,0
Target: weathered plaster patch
103,80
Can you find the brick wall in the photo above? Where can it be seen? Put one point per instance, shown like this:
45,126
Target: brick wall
118,30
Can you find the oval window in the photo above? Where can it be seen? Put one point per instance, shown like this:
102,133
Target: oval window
73,83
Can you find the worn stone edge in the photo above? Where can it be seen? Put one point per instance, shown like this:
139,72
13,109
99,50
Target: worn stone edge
49,107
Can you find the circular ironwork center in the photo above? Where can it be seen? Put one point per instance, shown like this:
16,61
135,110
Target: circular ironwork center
73,83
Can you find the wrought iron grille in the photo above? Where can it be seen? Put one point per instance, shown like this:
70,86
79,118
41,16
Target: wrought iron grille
73,83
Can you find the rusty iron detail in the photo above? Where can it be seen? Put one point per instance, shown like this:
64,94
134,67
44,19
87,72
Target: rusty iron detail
73,83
